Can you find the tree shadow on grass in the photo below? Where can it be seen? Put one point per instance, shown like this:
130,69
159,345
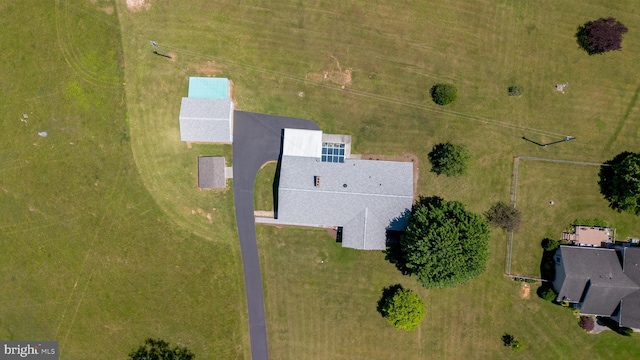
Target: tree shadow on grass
393,254
582,38
547,263
387,293
548,269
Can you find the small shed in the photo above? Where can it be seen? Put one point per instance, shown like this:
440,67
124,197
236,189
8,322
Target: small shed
206,115
211,172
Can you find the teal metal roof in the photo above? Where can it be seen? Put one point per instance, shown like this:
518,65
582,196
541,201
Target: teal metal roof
208,88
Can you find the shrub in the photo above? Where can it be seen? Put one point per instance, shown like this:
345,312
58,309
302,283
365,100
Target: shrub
550,244
516,345
449,159
443,94
547,293
591,222
507,339
160,349
587,322
515,90
600,36
505,216
403,308
513,343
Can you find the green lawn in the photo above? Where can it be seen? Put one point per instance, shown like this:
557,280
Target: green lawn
115,230
89,258
575,194
263,198
321,304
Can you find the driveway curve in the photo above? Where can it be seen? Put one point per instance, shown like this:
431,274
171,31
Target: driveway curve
256,140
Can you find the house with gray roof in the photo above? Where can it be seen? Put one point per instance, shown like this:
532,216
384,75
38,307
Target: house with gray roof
600,281
206,115
321,185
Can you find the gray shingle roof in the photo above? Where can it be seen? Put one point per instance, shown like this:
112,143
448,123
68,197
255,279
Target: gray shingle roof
206,120
630,305
592,276
211,172
630,310
362,196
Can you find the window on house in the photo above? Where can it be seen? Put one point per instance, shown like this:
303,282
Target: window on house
332,152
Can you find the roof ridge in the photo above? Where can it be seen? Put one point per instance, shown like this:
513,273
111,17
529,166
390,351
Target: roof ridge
346,192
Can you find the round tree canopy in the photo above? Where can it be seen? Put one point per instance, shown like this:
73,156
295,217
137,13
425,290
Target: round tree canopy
443,94
620,182
444,245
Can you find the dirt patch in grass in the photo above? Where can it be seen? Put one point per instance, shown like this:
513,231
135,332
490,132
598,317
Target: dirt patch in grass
137,5
408,157
210,68
107,9
335,75
525,290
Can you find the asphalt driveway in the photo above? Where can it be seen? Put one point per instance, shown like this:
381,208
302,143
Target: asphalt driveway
256,140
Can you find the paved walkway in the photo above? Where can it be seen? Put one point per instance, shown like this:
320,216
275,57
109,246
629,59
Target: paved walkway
256,140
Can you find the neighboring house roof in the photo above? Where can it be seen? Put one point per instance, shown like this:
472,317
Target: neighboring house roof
208,88
364,197
211,172
206,120
595,278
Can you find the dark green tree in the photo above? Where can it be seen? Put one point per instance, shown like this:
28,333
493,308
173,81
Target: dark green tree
403,308
156,349
507,339
547,293
444,245
550,244
443,94
503,215
449,159
620,182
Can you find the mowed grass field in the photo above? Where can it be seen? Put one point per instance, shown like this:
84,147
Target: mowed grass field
273,52
88,257
575,194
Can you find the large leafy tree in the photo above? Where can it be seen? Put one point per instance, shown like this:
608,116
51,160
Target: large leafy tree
620,182
156,349
444,244
403,308
449,159
602,35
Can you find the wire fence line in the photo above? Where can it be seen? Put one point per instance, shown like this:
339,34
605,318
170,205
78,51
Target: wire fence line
514,190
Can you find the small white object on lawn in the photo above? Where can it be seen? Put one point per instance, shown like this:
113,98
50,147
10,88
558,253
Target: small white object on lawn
42,134
25,115
551,202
